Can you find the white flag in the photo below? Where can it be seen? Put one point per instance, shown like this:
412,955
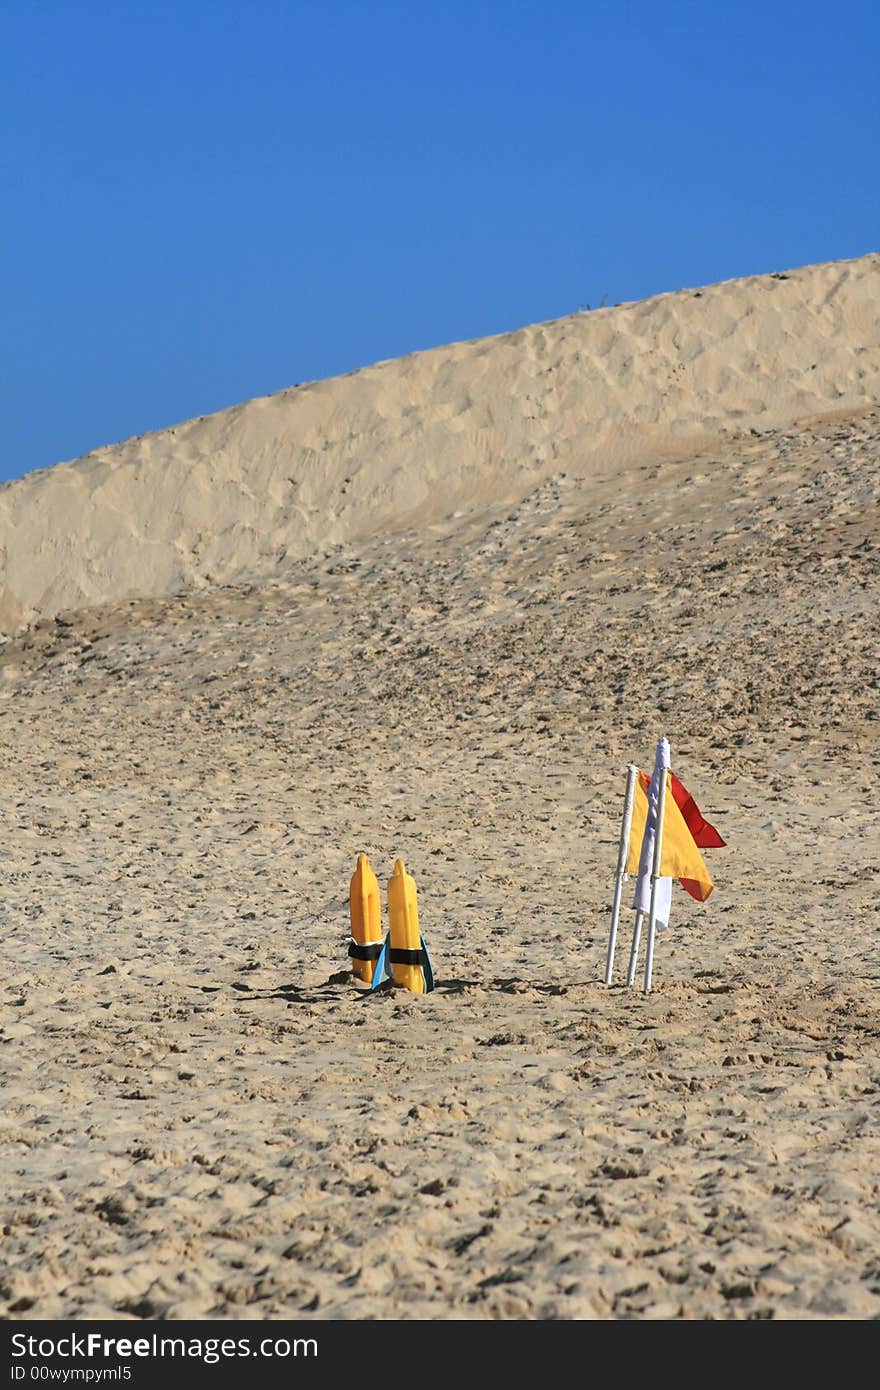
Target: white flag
663,899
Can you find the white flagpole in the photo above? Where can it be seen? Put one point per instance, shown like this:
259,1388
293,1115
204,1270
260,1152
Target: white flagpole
634,952
655,876
632,773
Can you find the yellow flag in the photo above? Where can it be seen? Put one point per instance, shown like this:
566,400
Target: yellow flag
679,856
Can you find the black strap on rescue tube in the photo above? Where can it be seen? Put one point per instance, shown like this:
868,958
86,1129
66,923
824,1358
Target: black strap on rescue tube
398,956
369,951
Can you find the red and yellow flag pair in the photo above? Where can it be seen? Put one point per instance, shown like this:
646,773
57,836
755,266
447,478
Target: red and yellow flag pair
685,831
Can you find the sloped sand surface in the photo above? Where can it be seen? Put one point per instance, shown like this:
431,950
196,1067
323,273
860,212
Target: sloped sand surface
241,494
204,1117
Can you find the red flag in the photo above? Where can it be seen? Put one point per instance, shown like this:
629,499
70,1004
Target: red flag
705,836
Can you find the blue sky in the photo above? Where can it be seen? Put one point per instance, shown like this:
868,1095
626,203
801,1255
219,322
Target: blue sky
203,202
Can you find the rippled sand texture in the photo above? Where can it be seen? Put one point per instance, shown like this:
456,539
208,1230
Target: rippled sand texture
203,1117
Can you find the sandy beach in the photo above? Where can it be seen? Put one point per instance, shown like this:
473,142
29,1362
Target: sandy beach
431,610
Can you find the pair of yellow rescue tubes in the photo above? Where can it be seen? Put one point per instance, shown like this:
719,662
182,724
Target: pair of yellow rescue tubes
403,957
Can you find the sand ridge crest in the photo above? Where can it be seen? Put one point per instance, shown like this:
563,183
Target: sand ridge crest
244,493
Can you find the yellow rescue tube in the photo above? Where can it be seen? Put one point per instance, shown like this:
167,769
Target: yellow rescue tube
365,910
405,939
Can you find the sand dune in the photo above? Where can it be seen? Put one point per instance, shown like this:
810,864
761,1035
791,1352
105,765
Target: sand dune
243,494
431,610
204,1117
